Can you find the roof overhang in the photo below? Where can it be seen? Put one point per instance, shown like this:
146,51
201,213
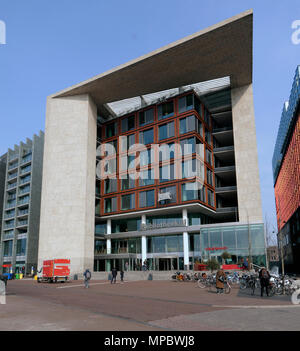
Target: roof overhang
224,49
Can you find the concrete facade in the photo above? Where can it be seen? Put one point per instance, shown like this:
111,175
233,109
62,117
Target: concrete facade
68,190
21,204
246,159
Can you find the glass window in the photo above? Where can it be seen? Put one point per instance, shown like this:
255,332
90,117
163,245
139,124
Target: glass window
127,124
215,238
127,142
208,136
242,237
110,186
173,243
100,228
159,244
204,240
166,151
167,195
110,205
128,225
229,239
111,130
165,110
146,117
208,157
128,202
189,124
257,236
187,146
127,182
186,103
7,248
146,177
192,191
209,176
146,137
21,247
166,131
210,197
147,198
146,157
166,173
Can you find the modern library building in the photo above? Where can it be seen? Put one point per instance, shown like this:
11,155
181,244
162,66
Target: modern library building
155,162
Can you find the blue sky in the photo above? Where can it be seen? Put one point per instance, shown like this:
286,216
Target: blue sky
51,45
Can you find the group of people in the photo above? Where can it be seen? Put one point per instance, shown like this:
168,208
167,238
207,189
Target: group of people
264,277
88,275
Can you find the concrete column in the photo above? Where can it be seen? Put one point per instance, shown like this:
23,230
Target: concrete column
245,149
108,226
185,216
67,223
186,250
144,220
108,246
185,240
144,248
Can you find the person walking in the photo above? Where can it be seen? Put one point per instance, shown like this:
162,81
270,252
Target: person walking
113,275
122,275
220,279
264,277
87,276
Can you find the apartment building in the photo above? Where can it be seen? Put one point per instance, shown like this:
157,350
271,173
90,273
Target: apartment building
21,206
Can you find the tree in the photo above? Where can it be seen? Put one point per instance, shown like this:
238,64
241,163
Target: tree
212,264
225,256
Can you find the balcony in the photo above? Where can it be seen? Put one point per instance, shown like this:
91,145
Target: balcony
10,214
23,212
8,236
13,166
10,204
25,170
12,176
11,186
26,159
22,223
226,189
24,201
12,157
25,180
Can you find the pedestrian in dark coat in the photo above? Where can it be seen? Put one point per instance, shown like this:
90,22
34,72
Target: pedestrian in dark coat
114,273
122,275
220,279
264,277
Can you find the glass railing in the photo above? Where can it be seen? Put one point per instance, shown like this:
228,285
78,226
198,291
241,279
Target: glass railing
10,204
23,212
23,201
13,156
24,190
9,214
8,235
25,180
13,175
14,165
21,223
12,185
25,170
26,159
9,226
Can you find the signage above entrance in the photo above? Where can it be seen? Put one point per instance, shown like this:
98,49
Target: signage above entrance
178,223
216,248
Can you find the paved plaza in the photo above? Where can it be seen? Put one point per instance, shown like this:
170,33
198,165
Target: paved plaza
141,305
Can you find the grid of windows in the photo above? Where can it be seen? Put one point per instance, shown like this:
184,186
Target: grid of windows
133,129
